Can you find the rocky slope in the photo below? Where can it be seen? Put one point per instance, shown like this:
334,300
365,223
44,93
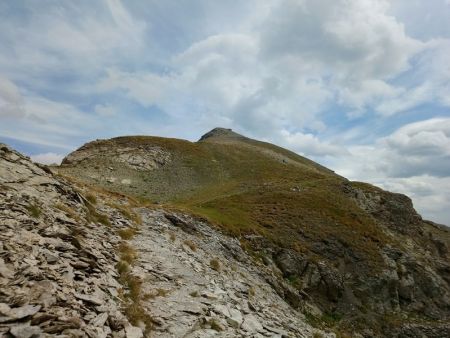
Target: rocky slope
353,258
57,261
78,261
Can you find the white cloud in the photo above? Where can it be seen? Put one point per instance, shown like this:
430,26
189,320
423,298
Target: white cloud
146,88
68,38
286,67
11,102
51,123
414,160
356,37
47,158
309,144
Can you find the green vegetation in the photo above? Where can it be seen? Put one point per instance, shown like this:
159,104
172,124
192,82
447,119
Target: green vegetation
91,198
34,210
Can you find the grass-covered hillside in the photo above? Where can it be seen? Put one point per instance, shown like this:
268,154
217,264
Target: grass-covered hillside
243,185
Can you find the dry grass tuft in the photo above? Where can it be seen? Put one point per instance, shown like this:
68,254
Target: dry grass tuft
215,264
127,233
191,245
68,211
132,296
172,236
91,198
127,212
127,253
93,216
251,291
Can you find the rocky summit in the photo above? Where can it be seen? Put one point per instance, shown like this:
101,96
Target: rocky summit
225,237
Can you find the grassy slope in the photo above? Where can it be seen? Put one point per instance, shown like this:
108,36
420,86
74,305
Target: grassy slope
251,187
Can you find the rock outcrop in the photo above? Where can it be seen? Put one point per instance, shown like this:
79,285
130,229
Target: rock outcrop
138,158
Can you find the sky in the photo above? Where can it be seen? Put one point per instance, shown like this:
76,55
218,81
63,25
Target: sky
360,86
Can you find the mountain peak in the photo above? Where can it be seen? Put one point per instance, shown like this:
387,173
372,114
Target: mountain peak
221,133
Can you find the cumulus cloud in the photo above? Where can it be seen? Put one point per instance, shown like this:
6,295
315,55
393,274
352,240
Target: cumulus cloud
421,148
286,67
414,160
356,38
61,39
146,88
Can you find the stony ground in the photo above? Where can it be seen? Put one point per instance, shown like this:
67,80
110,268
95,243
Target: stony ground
57,265
199,283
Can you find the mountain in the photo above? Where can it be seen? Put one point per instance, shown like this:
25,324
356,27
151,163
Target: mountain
79,261
347,257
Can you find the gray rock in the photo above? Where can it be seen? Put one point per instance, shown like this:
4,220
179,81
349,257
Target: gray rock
100,320
17,313
235,319
251,324
133,332
25,331
5,271
90,299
